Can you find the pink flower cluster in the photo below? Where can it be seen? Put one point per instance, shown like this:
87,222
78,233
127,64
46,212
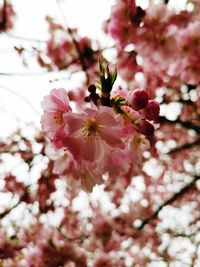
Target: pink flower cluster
84,141
65,48
163,45
126,16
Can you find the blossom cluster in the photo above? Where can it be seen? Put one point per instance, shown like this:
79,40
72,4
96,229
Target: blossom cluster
163,44
105,134
66,49
107,126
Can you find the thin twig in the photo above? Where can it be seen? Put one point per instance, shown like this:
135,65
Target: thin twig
21,96
195,256
42,72
188,235
26,39
26,73
167,202
81,58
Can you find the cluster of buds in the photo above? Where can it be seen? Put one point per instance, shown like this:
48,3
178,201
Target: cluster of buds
148,110
139,109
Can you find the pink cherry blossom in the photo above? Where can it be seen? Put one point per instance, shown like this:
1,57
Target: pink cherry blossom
88,135
120,25
135,182
61,53
55,106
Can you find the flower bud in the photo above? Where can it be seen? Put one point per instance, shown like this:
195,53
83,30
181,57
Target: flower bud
144,127
87,99
92,88
139,99
151,111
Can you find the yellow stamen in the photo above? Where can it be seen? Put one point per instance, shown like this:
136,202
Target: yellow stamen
91,129
58,117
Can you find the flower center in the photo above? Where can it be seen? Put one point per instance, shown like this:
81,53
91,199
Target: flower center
58,117
91,129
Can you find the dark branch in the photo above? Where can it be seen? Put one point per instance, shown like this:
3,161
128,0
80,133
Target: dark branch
25,39
82,61
188,235
186,124
168,202
4,16
21,199
185,146
70,32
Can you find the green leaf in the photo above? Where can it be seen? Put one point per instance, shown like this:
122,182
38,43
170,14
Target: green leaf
107,78
114,76
119,101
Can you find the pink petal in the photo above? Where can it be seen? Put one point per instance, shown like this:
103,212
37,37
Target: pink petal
73,122
48,123
48,104
111,136
58,99
61,164
106,117
84,148
72,144
89,149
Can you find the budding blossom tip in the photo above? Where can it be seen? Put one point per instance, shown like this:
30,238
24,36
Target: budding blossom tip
151,111
139,99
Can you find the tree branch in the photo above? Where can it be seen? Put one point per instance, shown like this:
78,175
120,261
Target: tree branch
22,198
186,124
185,146
168,202
25,39
42,72
20,96
188,235
4,16
81,58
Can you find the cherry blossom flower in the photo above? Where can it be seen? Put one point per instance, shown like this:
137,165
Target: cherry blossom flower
61,53
88,135
55,106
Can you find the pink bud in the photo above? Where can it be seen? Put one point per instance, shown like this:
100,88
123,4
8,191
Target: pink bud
151,111
144,127
139,99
